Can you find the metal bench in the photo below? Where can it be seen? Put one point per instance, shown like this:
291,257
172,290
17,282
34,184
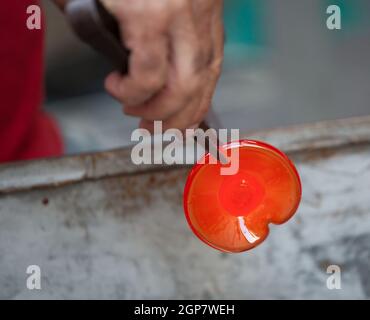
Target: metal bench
100,227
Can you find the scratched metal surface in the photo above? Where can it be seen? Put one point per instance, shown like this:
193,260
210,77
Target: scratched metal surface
101,228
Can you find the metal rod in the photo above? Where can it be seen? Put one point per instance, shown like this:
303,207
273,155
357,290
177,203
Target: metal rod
214,146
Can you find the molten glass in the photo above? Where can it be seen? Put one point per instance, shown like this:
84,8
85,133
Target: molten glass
232,213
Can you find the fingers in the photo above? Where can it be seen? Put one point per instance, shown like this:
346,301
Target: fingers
197,67
184,81
176,57
167,103
187,117
148,67
143,31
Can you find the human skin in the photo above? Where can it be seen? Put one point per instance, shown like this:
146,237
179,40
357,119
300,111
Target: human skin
176,59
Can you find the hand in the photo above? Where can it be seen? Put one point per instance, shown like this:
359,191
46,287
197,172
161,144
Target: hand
176,59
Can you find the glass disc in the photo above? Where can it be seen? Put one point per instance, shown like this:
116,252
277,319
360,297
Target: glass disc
232,213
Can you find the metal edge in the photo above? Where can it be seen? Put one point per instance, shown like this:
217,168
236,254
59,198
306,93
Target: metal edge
54,172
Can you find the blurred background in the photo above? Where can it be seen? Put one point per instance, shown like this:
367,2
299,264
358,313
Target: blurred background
283,66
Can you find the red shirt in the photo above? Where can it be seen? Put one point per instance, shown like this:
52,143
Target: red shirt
26,132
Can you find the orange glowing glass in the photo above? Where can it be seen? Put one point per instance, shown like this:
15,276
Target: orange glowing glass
232,213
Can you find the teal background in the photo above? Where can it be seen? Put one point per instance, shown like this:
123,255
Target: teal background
245,21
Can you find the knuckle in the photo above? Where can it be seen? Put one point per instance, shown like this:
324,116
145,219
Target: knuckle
216,65
152,82
190,85
214,71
